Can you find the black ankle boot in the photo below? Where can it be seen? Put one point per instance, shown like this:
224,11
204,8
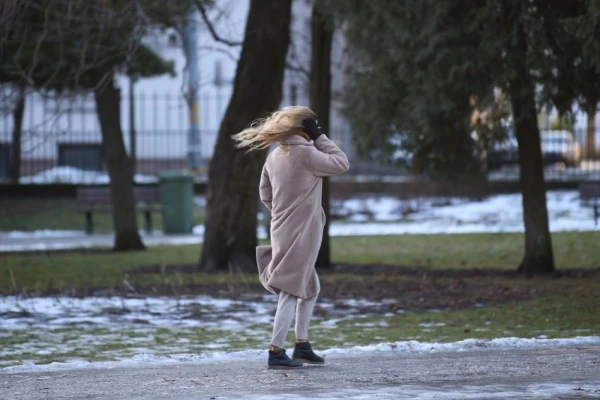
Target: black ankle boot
303,352
279,360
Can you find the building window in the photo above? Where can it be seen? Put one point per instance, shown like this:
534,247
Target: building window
173,40
86,156
4,161
294,94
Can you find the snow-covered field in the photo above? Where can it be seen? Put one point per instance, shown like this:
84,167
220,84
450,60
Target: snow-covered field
498,213
76,328
77,176
368,215
169,329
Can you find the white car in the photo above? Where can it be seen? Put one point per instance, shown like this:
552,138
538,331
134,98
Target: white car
560,146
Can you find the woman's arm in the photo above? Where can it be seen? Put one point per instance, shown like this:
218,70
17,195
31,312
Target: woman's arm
265,190
327,159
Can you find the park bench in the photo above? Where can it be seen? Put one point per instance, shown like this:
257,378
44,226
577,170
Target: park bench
97,199
590,192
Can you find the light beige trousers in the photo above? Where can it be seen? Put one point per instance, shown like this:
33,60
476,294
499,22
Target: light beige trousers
285,313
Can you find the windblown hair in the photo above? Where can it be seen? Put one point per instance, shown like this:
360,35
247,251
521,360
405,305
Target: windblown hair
275,128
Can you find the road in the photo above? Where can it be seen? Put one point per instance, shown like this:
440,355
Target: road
560,373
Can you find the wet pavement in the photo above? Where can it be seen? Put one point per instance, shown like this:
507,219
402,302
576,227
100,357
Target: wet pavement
548,373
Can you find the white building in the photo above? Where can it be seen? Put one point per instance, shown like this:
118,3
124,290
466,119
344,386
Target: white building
66,132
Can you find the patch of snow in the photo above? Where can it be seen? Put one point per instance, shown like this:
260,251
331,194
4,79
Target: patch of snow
43,233
499,213
64,240
395,347
431,324
74,175
381,215
117,312
470,344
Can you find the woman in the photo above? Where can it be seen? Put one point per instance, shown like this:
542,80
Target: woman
290,187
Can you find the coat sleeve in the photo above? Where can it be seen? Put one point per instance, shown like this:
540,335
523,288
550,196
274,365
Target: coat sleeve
327,159
265,190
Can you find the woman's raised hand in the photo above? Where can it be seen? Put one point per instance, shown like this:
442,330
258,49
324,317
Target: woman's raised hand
311,128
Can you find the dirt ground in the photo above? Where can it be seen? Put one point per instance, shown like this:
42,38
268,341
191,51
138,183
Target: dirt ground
421,288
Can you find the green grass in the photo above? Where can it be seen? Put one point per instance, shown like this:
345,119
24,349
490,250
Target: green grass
60,271
560,307
477,250
28,214
37,272
567,310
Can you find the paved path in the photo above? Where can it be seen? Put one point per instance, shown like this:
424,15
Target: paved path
560,373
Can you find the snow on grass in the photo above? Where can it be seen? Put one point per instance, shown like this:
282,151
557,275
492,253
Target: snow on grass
383,215
469,344
65,332
73,175
411,346
117,312
498,213
42,233
64,240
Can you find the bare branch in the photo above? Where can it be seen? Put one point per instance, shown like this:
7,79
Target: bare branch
303,71
211,28
220,50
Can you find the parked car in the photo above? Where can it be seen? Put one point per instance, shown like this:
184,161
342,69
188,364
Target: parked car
557,146
560,146
505,152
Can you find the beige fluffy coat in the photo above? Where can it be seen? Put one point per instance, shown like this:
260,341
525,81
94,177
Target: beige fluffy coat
290,187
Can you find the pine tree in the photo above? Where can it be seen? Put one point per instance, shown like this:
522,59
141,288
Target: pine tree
415,64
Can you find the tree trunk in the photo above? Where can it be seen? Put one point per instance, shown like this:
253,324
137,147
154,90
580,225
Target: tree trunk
15,148
132,133
538,243
233,175
320,102
590,143
108,101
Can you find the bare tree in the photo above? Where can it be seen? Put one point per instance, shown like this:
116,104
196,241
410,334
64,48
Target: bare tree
232,191
72,45
320,102
15,149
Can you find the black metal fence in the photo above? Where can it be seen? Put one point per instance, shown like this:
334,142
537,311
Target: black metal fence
567,155
61,141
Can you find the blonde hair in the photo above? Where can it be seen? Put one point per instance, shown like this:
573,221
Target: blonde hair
278,126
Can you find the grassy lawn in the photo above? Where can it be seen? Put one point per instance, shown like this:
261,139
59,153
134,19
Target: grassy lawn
567,312
34,272
28,214
565,307
479,250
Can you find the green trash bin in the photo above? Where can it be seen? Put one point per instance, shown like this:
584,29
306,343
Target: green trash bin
176,196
